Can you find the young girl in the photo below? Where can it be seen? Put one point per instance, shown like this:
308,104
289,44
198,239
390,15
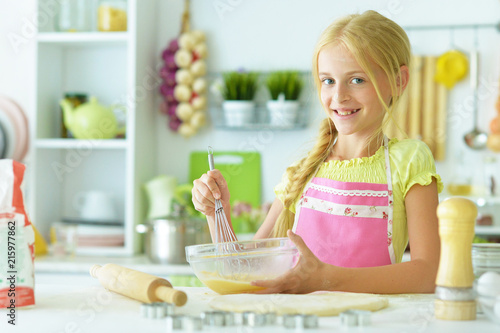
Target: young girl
355,200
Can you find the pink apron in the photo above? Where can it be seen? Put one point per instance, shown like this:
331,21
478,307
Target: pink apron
348,224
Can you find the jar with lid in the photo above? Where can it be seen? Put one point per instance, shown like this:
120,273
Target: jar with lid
112,15
73,16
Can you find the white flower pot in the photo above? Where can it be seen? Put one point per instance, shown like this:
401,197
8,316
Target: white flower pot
238,113
283,113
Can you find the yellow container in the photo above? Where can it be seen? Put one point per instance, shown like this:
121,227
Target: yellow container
112,16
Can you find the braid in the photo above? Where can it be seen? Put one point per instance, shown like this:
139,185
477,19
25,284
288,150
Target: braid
298,175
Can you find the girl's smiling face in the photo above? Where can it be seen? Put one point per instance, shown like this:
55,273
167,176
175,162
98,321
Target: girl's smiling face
347,93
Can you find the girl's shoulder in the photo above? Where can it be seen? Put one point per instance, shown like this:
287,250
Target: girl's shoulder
408,147
411,154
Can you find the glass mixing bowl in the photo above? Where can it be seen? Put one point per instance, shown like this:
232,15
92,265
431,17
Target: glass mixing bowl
228,268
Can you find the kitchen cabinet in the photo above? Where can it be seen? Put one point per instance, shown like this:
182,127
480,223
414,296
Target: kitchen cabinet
115,67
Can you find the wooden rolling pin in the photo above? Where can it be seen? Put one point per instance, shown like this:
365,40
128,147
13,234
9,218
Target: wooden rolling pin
137,285
455,299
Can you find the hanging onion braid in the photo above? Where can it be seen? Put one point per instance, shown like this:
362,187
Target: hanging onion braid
298,175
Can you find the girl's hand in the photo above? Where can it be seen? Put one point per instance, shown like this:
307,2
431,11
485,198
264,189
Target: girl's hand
209,187
304,278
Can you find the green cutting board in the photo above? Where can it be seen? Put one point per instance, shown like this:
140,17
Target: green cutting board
240,169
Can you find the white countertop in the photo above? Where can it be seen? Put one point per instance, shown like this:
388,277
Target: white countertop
82,264
78,303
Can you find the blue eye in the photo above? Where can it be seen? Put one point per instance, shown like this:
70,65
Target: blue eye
327,81
357,80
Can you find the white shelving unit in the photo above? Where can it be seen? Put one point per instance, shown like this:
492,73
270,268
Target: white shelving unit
115,67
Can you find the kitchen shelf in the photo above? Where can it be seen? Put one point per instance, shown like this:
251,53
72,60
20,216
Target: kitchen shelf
478,200
487,230
82,38
74,264
262,116
109,66
81,144
260,123
258,127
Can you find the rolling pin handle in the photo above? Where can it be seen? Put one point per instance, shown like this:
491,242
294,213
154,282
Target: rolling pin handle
93,270
170,295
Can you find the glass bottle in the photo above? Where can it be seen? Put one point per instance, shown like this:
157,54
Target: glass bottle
112,15
461,181
73,16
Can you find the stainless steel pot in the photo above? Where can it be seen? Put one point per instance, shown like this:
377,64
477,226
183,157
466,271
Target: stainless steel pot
166,239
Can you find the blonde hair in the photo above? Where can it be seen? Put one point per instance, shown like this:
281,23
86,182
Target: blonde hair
370,37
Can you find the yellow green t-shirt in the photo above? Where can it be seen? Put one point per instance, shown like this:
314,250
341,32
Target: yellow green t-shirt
411,163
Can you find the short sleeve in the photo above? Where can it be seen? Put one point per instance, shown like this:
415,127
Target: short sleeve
417,166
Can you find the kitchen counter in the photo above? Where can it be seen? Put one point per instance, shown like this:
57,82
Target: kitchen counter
78,303
82,264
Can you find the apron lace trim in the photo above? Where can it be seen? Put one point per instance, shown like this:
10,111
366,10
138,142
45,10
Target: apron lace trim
349,193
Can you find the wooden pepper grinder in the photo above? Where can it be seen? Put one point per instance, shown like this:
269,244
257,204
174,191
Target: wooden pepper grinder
137,285
455,298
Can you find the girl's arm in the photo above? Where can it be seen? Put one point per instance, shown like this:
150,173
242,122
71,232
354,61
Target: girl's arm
206,189
268,224
415,276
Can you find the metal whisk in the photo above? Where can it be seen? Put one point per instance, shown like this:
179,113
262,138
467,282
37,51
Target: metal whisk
228,265
223,230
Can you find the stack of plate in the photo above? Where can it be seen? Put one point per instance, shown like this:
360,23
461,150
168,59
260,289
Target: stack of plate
96,233
14,131
485,258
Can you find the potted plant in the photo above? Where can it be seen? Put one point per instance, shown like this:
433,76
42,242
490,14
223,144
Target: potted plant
285,88
238,92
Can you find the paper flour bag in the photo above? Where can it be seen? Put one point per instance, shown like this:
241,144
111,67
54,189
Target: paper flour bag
16,242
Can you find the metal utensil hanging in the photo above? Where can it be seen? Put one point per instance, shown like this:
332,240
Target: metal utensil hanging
475,139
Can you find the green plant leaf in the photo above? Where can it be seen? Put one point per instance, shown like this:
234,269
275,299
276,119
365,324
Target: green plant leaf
240,86
287,82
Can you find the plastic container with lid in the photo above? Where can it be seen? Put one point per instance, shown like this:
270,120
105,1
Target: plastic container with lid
112,15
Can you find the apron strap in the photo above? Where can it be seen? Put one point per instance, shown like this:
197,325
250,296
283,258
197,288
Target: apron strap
390,199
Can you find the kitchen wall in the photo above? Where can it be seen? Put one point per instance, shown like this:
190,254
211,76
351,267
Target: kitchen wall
280,34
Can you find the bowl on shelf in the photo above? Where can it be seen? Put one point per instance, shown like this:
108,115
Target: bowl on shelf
228,268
